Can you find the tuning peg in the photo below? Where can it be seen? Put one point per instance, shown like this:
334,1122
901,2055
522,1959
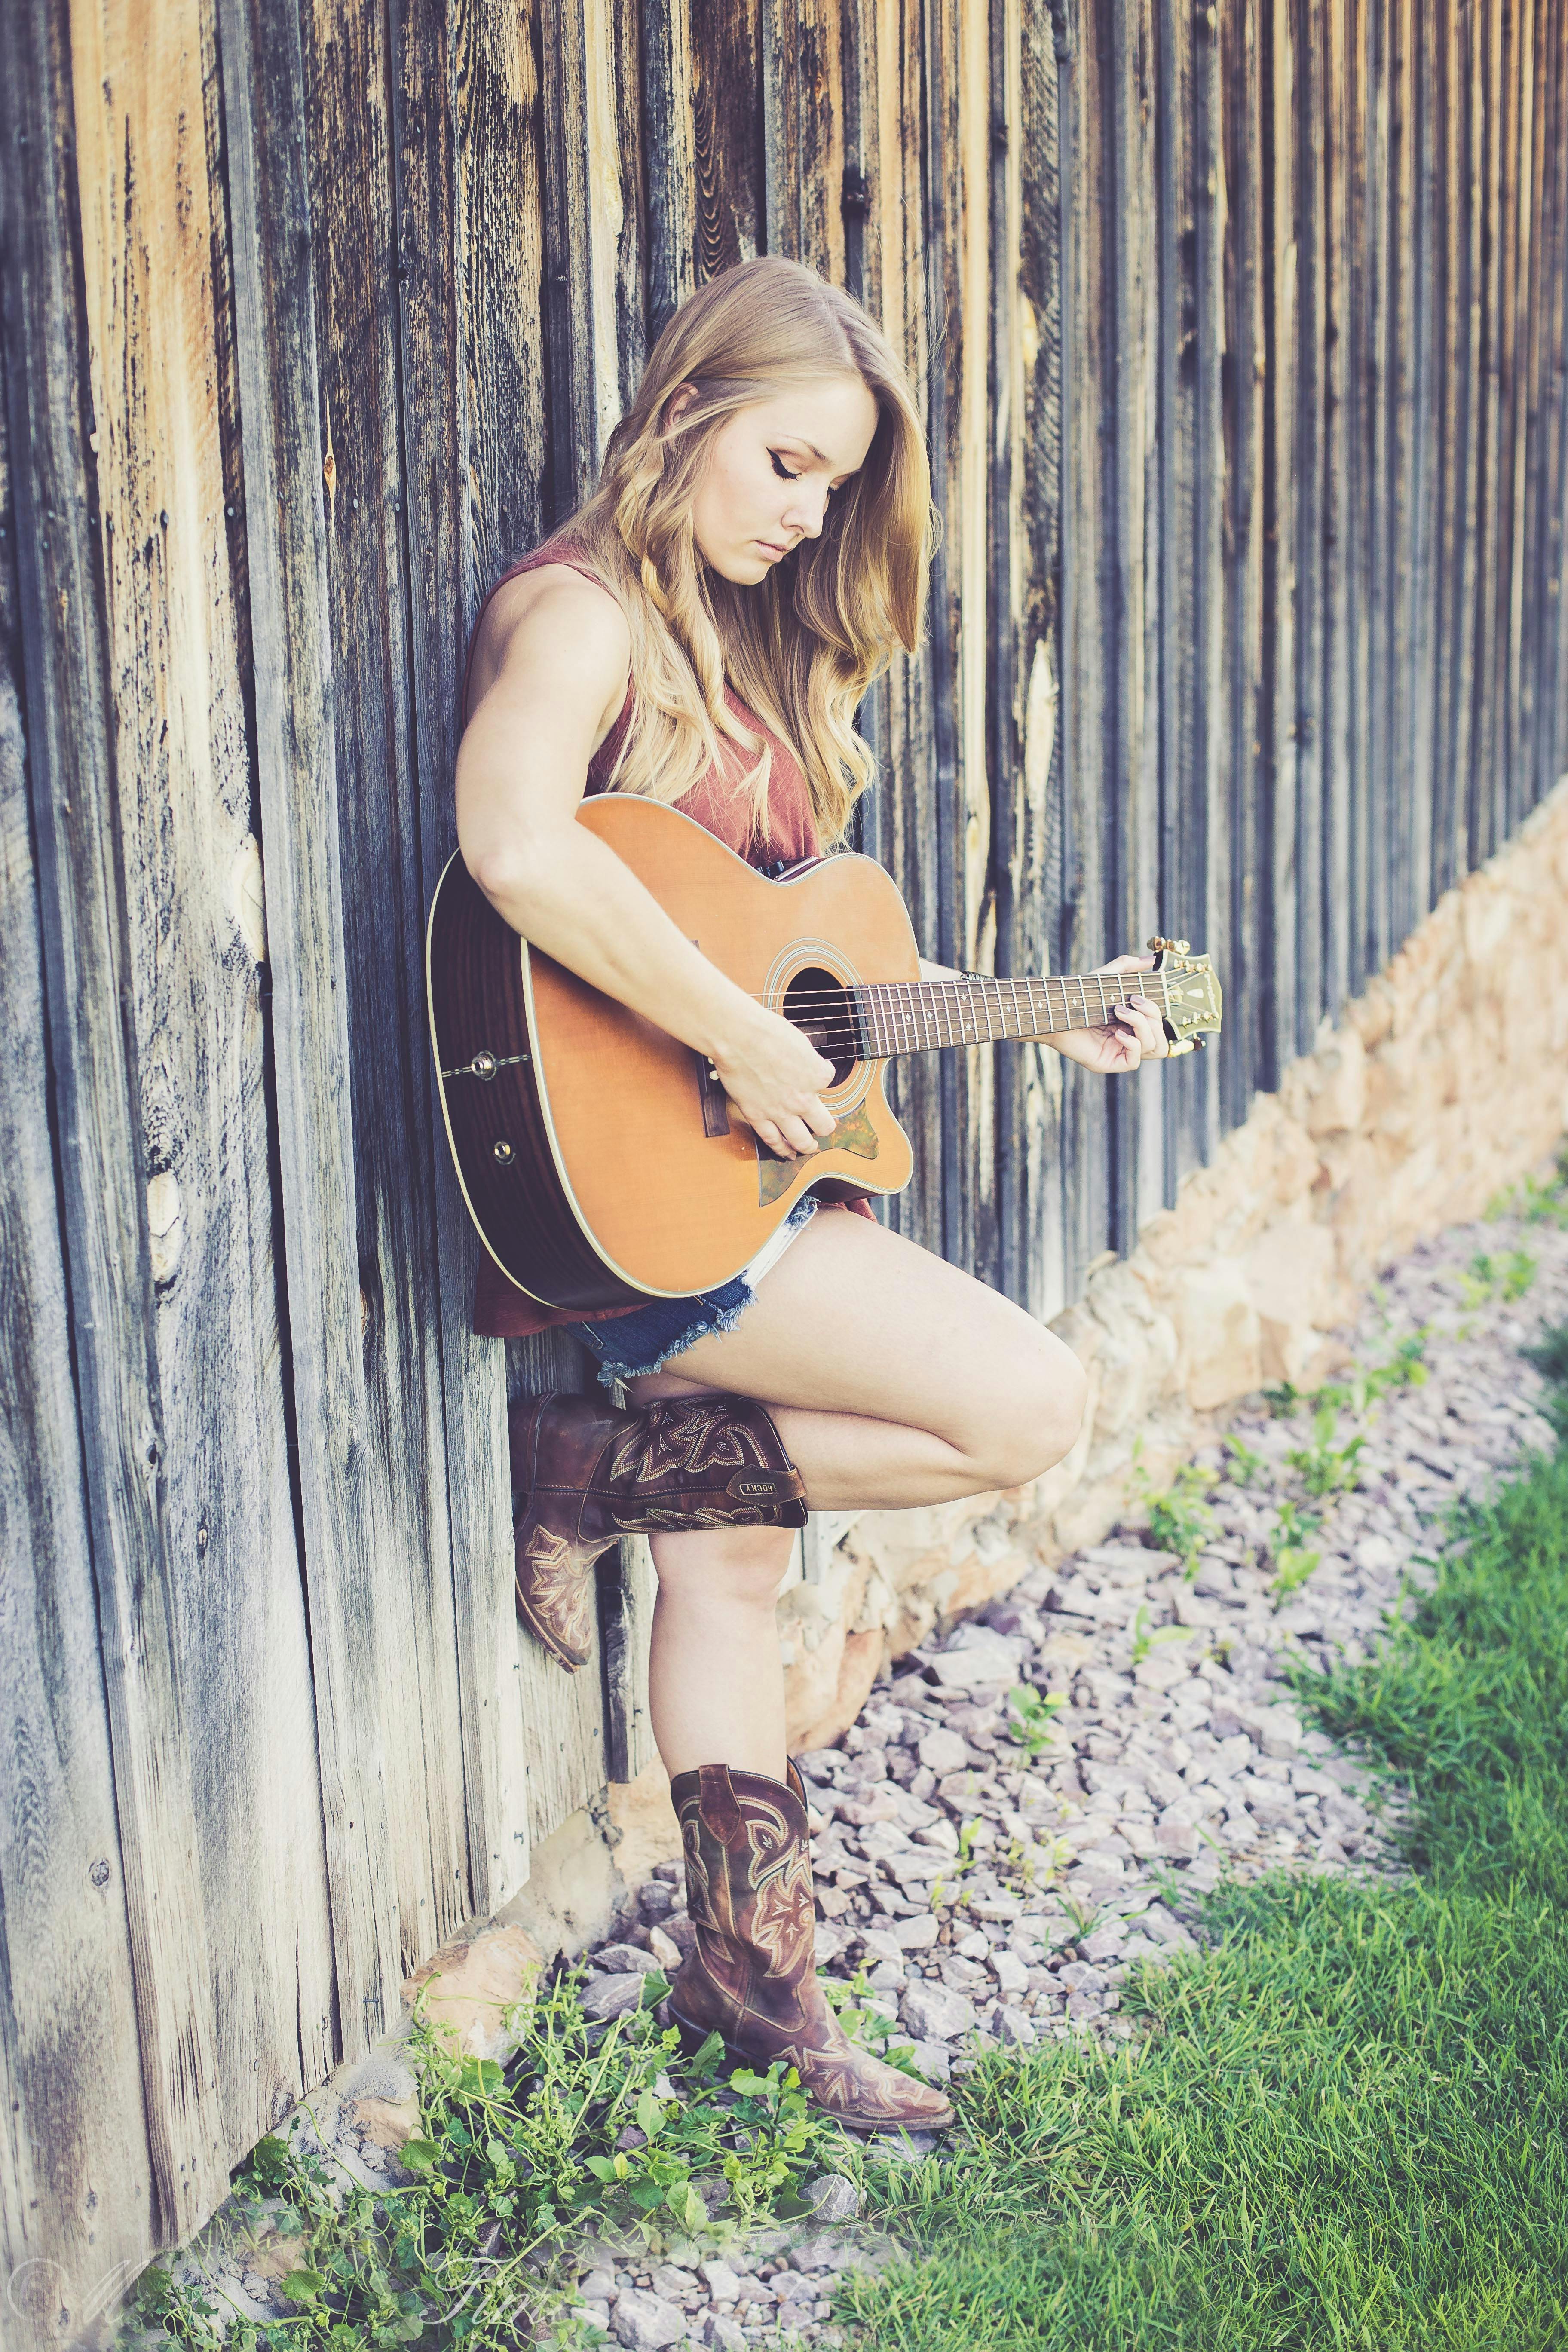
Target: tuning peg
1157,946
1180,947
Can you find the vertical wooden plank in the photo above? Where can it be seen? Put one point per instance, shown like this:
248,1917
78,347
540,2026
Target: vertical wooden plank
1518,195
1090,613
348,1573
77,2203
1131,391
1357,335
802,93
905,816
381,193
1312,457
1463,293
1029,782
1543,474
1401,580
563,1716
1246,746
1335,912
500,253
195,936
1271,912
727,119
1185,706
591,229
672,161
78,824
1498,161
1425,458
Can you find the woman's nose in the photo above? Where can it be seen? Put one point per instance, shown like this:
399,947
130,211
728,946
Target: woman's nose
806,514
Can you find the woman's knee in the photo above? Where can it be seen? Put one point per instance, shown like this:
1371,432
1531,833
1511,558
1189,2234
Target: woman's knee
1032,1414
742,1566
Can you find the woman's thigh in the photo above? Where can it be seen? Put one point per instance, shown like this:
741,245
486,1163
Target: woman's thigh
854,1319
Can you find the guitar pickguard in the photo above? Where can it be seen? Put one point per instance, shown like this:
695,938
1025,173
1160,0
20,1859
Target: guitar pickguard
854,1133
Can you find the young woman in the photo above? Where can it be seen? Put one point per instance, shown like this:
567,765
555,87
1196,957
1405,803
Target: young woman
702,631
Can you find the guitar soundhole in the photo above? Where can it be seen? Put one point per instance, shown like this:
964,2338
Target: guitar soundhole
818,1003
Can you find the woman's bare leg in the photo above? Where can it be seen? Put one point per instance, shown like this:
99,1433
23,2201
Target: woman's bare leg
715,1680
894,1380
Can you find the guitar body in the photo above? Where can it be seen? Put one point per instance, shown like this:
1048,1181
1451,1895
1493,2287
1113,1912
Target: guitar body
598,1159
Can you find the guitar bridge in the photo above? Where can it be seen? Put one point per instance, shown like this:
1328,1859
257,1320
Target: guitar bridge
711,1095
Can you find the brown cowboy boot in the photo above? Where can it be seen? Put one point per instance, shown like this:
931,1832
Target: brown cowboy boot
588,1472
751,1975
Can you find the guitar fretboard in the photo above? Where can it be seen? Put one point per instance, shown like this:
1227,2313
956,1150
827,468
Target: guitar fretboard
919,1016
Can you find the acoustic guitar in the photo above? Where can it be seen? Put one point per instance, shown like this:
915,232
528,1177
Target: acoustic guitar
599,1157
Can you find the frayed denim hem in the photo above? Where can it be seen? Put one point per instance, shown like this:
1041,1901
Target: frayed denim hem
717,1318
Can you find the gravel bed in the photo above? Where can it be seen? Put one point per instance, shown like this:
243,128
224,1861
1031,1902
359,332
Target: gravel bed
996,1898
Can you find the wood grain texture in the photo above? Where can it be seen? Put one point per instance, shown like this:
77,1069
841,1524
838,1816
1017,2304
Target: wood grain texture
79,823
285,451
196,938
78,2210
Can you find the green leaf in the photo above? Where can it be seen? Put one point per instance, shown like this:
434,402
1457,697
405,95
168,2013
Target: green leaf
419,2154
650,2114
303,2286
602,2168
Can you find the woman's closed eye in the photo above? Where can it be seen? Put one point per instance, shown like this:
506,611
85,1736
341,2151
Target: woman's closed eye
781,469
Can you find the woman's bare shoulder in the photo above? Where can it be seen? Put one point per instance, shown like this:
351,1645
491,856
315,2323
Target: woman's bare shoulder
557,626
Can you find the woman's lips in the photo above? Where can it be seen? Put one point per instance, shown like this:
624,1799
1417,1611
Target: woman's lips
768,548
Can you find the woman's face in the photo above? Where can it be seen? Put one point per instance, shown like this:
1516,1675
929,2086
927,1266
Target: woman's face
771,471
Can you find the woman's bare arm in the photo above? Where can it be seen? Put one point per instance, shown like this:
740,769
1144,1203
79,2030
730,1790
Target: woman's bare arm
552,678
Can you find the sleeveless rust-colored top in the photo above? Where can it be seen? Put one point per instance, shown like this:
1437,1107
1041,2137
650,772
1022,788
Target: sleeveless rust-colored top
502,1311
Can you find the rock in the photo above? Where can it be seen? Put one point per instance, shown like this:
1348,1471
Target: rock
1015,2026
933,2060
723,2283
656,1900
1278,1730
593,2314
721,2334
1078,1975
667,1951
933,2013
1104,1944
598,2286
916,1935
1083,2004
995,1907
832,2198
942,1751
671,2280
1176,1836
606,1997
646,2322
1011,1974
988,1665
620,1959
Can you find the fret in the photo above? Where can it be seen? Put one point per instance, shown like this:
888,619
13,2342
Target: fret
925,1016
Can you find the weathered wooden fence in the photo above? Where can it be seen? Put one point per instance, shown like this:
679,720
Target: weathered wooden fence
1240,330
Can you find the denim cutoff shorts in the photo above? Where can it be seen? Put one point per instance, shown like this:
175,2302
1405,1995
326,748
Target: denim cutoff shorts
644,1341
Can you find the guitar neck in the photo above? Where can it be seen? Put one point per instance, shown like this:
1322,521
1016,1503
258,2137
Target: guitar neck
922,1017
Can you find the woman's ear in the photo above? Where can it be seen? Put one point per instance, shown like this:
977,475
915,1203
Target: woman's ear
679,402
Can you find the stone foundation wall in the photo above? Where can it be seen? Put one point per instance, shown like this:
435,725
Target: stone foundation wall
1444,1082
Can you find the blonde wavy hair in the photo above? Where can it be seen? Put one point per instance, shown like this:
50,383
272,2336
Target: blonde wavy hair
803,645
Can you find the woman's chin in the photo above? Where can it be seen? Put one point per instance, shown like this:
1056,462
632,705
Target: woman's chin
743,568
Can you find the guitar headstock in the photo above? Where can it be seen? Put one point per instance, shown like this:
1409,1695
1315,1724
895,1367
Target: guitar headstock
1194,1004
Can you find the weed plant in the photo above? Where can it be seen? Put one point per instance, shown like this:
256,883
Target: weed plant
606,2127
1341,2128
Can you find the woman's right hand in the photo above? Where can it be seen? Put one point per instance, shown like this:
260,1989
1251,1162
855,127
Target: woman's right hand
774,1077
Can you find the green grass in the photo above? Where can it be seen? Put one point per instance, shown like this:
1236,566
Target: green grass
1348,2125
